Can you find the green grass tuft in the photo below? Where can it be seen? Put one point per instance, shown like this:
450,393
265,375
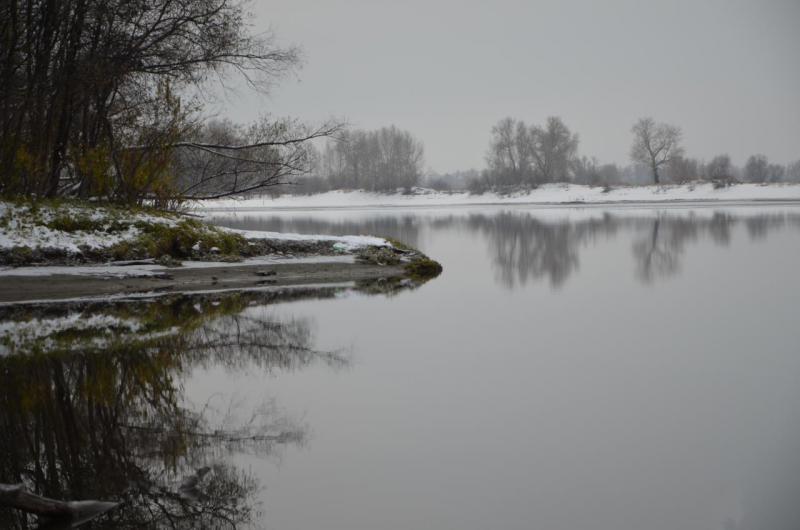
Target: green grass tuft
74,223
423,269
178,241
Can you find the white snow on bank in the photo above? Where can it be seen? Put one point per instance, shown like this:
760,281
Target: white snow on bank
341,243
22,226
546,194
44,237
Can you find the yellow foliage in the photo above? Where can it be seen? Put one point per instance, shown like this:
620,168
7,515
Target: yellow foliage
94,165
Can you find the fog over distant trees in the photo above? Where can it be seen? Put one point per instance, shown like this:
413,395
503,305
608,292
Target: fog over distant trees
719,169
758,169
523,156
381,160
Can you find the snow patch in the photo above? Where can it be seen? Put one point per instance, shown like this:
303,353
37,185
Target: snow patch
341,243
25,227
22,226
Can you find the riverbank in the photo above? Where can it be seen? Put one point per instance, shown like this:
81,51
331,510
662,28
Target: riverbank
71,250
547,194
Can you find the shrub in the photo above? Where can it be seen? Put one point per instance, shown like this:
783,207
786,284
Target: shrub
73,223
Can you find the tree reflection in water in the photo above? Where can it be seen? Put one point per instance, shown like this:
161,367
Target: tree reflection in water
530,245
92,406
657,251
525,248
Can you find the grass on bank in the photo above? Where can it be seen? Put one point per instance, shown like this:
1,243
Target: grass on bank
71,232
50,230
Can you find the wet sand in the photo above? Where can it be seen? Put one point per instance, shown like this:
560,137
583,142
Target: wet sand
60,287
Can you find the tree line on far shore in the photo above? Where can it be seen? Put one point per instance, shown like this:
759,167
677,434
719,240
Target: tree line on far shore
527,156
522,156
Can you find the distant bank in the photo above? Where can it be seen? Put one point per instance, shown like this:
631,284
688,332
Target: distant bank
546,194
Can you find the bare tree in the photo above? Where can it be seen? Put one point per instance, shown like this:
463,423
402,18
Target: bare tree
755,170
223,159
519,154
793,172
681,169
586,171
509,155
385,159
590,171
776,173
554,150
655,144
93,97
720,170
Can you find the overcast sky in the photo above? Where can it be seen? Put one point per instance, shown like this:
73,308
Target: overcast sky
726,71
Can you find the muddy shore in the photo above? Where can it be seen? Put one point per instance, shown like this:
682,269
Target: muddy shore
62,286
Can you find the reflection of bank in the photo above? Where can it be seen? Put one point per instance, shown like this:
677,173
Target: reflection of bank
91,403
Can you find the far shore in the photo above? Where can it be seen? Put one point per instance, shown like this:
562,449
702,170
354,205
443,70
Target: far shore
545,195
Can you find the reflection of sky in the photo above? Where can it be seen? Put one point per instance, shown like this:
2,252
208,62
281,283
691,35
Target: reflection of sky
608,403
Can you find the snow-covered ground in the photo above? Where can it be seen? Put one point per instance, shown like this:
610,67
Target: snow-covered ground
21,225
546,194
47,227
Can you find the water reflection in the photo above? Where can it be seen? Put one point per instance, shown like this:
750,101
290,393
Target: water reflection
529,245
92,406
657,251
525,248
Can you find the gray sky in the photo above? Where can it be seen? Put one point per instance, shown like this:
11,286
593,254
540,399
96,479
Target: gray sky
726,71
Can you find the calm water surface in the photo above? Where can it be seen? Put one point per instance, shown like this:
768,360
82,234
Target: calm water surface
581,368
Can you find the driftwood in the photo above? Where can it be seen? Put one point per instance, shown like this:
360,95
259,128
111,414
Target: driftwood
68,513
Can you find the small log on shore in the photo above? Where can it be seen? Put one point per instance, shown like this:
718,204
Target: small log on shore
75,512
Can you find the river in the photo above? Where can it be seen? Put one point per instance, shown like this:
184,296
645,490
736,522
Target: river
603,368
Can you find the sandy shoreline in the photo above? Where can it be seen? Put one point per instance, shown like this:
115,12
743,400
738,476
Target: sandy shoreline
62,286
